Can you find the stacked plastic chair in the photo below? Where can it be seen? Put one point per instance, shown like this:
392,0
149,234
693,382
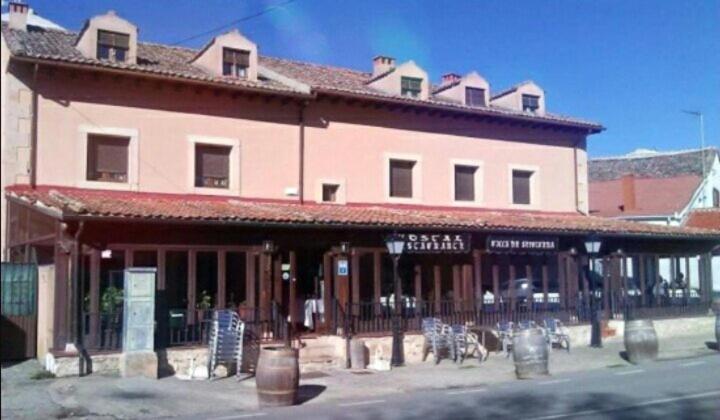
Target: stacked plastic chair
226,341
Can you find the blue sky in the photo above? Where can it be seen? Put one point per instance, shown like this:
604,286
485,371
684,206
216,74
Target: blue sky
630,64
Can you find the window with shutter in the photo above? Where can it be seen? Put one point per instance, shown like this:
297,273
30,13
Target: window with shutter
474,96
521,186
112,46
329,193
410,86
212,166
235,62
530,103
107,158
401,172
465,182
716,197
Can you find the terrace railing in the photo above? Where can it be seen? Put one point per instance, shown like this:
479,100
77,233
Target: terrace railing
103,331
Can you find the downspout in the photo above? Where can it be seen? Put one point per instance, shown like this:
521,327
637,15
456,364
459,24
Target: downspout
34,129
77,287
301,152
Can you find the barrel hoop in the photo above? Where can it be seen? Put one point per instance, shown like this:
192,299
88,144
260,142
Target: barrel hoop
290,391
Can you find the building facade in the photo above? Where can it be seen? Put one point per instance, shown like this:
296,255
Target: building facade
270,185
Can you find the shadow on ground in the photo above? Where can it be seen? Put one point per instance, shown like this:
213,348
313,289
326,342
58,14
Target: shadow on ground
308,392
712,346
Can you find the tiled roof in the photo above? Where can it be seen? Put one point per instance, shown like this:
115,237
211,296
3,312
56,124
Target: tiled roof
704,219
70,202
653,165
653,196
169,61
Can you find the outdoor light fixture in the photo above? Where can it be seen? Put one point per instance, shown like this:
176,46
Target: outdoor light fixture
344,247
268,246
573,251
396,245
592,245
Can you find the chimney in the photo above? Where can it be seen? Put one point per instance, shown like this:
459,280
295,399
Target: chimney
18,11
628,192
449,78
382,63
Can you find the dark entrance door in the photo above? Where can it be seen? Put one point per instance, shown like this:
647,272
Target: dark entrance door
19,311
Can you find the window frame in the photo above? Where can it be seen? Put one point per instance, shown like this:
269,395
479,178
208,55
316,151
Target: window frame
475,89
110,139
417,191
411,79
234,165
81,181
234,66
478,182
535,201
341,192
112,48
535,98
195,167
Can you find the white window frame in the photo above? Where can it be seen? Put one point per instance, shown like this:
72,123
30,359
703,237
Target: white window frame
132,183
341,197
416,178
234,165
534,186
478,181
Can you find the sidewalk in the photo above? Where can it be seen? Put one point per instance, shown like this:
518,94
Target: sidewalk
113,397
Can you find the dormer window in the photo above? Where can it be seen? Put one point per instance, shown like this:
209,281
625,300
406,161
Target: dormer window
530,103
235,62
113,46
411,87
474,96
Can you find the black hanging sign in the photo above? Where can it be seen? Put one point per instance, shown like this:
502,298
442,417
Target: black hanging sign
530,244
436,243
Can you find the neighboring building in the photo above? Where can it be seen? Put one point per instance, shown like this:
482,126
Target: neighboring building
679,188
270,185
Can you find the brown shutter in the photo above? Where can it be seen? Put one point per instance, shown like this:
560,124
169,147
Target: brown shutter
465,183
521,187
114,39
401,178
108,154
474,96
212,161
238,57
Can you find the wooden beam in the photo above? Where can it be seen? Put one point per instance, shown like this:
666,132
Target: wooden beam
564,290
161,283
529,277
641,274
437,287
496,285
477,276
292,301
545,282
467,281
418,283
277,279
221,280
94,297
511,285
377,276
457,286
191,286
250,277
327,290
355,272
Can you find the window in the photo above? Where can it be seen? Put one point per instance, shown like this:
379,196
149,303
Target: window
474,96
716,197
521,186
530,103
235,62
410,86
401,178
112,46
330,193
465,182
212,166
107,158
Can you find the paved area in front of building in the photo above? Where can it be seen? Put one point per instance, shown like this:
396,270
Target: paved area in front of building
112,397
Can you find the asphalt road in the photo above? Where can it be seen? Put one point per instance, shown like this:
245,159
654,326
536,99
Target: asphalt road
677,389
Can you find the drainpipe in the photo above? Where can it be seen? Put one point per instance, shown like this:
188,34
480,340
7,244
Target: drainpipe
301,152
34,129
77,288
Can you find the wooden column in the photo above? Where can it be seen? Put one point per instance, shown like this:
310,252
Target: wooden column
355,272
545,282
250,278
418,284
607,269
327,289
192,286
292,300
511,285
161,282
457,287
563,283
129,258
94,297
686,292
624,276
477,277
496,285
656,265
529,276
342,291
377,282
584,278
221,280
265,285
277,279
641,274
467,281
437,287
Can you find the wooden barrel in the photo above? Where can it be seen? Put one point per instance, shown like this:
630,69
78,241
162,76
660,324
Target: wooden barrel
277,377
641,343
530,353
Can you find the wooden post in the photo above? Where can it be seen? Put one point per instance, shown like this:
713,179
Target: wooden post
94,297
477,277
656,266
161,283
457,288
686,292
377,282
607,269
496,285
277,279
641,274
265,285
545,282
418,284
292,300
62,267
327,290
355,272
250,280
192,286
529,276
563,283
437,287
585,281
511,285
467,281
221,280
129,258
342,291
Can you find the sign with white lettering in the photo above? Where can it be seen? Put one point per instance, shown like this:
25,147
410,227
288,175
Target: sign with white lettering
436,243
530,244
342,267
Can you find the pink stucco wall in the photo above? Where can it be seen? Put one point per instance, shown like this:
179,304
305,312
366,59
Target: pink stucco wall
342,142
